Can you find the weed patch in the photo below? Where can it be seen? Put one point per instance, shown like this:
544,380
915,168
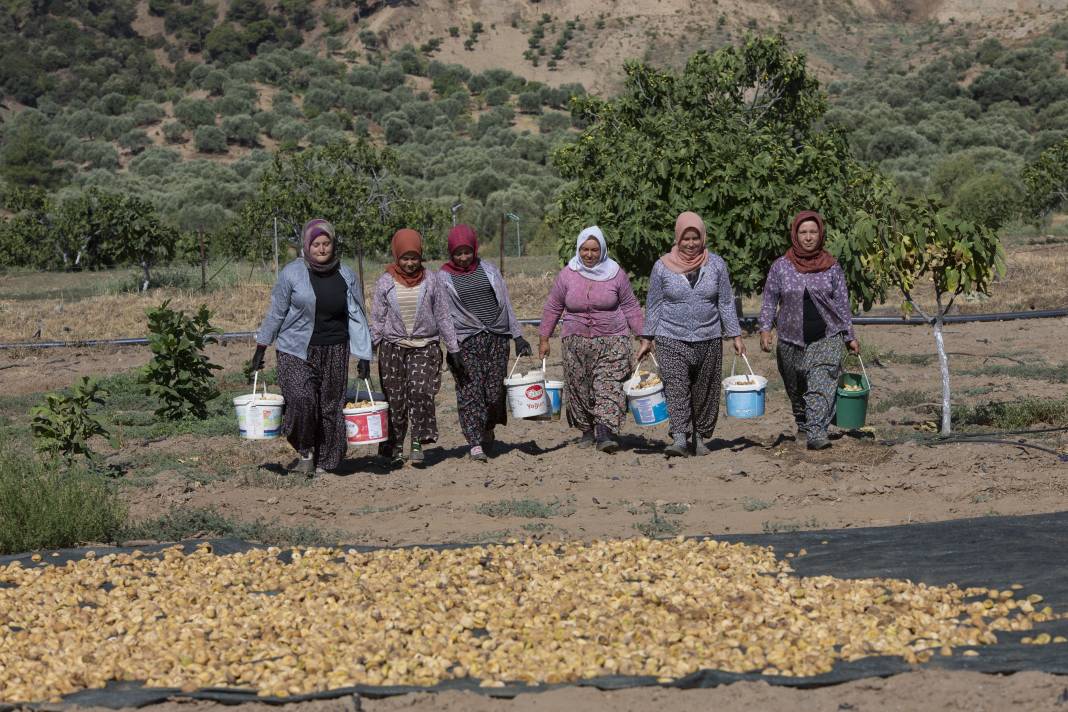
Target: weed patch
44,506
1013,415
658,526
902,399
751,504
1025,371
526,508
181,524
788,525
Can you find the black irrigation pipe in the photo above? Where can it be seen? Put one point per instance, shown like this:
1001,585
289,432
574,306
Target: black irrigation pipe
749,322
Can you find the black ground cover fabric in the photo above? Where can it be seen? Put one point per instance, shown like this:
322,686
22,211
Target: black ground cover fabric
993,551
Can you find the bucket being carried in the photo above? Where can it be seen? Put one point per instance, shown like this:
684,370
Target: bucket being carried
744,393
645,397
366,422
851,404
555,392
526,393
259,415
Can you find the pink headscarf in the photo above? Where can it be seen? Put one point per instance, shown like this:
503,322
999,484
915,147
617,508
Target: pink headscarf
462,236
675,260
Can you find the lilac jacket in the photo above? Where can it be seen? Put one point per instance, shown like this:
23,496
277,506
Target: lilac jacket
705,311
784,301
590,308
432,318
467,324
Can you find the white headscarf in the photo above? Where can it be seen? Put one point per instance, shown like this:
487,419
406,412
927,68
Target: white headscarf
605,269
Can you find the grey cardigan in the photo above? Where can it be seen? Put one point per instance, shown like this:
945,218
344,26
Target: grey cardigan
291,317
467,324
431,316
705,311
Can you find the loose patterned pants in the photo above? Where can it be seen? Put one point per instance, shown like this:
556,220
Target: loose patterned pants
411,377
692,372
810,375
480,397
595,369
314,390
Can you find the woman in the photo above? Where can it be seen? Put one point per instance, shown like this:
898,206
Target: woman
318,319
594,298
805,296
689,309
484,321
409,313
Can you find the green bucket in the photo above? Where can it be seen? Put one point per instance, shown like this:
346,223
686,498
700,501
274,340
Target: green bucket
851,408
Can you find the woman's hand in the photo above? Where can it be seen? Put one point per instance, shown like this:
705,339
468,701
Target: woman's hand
766,340
543,348
739,346
363,369
854,346
644,349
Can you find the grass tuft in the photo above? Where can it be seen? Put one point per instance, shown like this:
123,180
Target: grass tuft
1013,415
526,509
48,507
901,399
199,523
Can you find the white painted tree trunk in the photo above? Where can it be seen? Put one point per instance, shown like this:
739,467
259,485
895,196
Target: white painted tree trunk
943,365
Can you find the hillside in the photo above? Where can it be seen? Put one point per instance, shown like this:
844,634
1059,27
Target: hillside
184,102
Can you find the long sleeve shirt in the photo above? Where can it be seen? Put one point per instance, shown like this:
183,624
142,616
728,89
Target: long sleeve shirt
467,324
784,301
705,311
589,308
432,318
291,316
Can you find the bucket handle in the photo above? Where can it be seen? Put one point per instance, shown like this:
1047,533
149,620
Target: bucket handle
864,371
370,395
638,366
734,363
514,365
255,380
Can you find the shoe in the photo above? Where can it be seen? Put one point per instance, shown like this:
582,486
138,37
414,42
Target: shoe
818,443
477,454
417,454
305,465
395,456
605,440
699,447
488,438
677,448
586,440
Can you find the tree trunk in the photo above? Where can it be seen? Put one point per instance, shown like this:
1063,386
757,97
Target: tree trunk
943,365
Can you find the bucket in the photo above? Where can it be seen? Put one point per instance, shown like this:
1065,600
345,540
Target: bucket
259,415
554,390
526,393
647,405
745,394
851,406
367,425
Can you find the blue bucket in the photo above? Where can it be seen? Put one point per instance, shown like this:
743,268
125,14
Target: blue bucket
647,405
745,396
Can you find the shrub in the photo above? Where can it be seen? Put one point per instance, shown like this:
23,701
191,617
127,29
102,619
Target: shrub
397,129
288,130
180,374
210,139
64,425
530,102
135,141
194,112
47,507
174,132
241,129
147,112
553,121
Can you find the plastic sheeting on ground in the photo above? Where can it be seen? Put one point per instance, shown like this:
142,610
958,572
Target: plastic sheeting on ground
994,552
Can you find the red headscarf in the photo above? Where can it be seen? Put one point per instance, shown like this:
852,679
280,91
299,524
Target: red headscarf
405,241
675,260
461,236
816,260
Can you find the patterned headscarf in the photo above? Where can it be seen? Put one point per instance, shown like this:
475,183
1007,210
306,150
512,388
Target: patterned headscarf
313,229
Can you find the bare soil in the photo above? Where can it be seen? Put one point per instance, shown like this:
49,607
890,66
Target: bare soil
757,479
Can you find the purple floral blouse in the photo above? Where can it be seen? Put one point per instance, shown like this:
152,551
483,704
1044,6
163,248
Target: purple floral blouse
784,301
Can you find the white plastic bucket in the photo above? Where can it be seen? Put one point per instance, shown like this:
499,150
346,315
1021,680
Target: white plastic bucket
367,425
526,393
745,393
259,415
647,405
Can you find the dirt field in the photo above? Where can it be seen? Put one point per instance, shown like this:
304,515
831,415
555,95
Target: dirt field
756,480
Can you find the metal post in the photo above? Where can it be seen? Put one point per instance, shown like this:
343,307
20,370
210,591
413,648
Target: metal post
276,249
203,263
502,245
518,244
359,260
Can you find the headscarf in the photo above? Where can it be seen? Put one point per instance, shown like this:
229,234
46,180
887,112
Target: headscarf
818,259
605,269
405,241
461,236
675,260
313,229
